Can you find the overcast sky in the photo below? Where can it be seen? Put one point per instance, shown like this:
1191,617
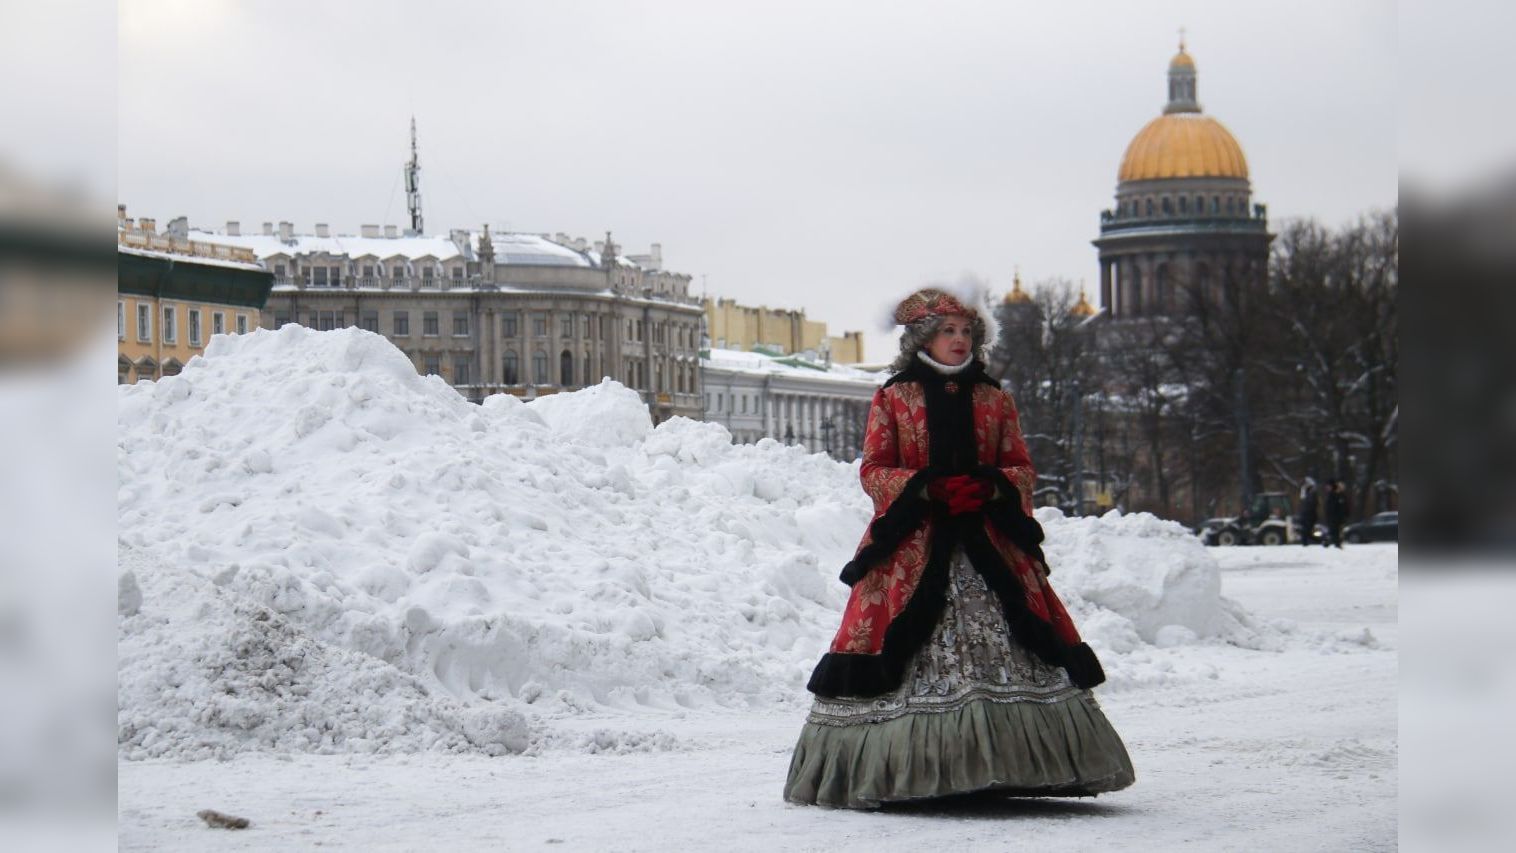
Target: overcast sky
830,156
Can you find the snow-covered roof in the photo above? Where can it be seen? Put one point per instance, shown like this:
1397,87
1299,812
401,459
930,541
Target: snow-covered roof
525,249
757,362
181,258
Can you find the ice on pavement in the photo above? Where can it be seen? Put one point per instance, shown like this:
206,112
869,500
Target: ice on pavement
323,551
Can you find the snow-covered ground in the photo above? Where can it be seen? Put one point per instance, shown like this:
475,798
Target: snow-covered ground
362,612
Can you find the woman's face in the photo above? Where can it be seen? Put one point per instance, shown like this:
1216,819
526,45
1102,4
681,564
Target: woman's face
953,341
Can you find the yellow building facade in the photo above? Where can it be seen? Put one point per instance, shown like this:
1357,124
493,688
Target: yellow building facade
778,331
173,294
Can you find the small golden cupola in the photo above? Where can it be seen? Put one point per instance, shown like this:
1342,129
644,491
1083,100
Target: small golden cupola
1017,296
1082,308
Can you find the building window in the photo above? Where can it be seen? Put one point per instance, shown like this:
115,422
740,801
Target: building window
629,335
241,324
401,322
167,330
325,321
369,321
1168,206
368,271
1215,204
1200,204
539,325
1184,204
281,318
318,276
566,367
397,274
539,368
460,371
585,326
428,277
144,322
429,324
279,271
460,324
457,273
194,327
433,364
146,369
508,326
1150,207
589,379
218,323
508,370
566,325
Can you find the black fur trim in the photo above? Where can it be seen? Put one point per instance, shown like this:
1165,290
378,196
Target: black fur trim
844,674
1030,631
1009,518
904,515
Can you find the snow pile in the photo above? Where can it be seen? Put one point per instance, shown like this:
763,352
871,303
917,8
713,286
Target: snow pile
328,551
1152,575
1135,582
559,554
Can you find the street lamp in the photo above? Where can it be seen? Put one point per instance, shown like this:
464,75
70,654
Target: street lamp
789,434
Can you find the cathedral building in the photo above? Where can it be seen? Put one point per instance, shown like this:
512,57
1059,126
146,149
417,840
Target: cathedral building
1184,213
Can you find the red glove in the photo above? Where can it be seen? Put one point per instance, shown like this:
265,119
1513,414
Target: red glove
962,493
943,488
969,498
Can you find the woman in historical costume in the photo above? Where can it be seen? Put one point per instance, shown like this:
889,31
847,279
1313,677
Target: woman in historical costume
956,667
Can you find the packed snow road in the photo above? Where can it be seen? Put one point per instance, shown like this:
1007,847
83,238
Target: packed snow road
1291,747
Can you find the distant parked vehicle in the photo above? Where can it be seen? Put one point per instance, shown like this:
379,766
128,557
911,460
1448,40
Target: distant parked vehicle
1384,527
1269,521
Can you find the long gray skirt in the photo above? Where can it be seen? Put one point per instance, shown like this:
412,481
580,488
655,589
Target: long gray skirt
975,712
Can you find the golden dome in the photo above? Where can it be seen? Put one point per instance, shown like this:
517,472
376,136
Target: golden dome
1183,145
1083,308
1181,60
1017,296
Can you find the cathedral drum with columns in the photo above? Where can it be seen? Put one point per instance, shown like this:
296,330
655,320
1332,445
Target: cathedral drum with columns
1184,222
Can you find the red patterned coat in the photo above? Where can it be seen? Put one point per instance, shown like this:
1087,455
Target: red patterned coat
900,570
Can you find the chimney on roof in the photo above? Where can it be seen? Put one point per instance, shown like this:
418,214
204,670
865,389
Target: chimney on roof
286,231
579,244
370,231
561,238
322,230
233,228
268,229
657,256
179,226
390,232
148,224
120,216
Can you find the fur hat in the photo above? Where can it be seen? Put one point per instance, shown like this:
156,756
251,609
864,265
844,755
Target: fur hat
922,311
927,302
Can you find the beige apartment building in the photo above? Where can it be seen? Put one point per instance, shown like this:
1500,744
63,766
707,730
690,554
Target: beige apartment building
777,331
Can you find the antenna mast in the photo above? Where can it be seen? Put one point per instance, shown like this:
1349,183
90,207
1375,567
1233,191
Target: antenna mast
413,183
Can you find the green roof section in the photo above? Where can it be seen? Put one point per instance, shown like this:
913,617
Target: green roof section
190,280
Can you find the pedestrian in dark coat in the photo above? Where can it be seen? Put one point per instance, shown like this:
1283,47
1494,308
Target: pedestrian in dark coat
1336,513
1308,507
